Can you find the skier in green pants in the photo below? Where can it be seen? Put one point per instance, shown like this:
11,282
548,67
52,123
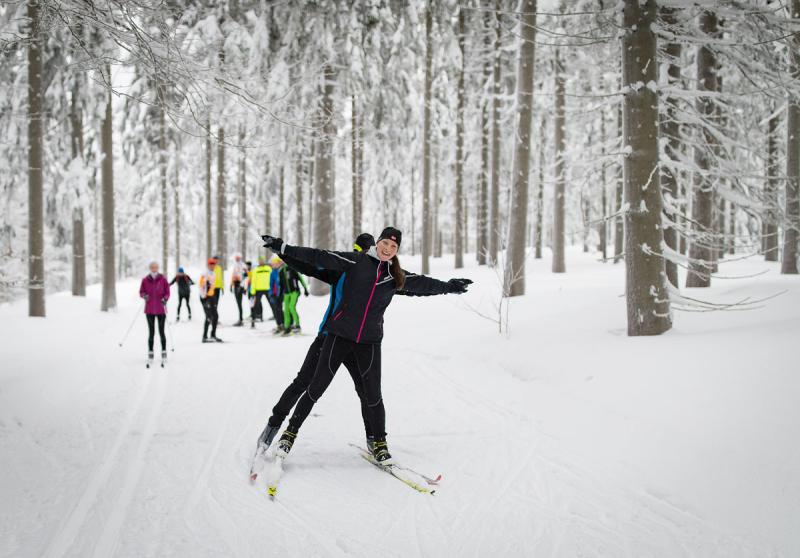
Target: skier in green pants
291,281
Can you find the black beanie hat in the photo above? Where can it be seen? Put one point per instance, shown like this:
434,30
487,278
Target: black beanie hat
365,241
391,233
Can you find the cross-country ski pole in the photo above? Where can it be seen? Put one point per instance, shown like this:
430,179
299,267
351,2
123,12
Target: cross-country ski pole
133,322
171,337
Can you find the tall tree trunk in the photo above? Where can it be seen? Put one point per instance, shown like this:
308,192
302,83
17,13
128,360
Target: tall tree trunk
645,287
559,265
770,219
426,142
109,298
176,190
494,228
540,195
482,220
619,230
514,280
209,230
162,170
354,163
458,235
435,201
78,229
586,214
792,211
701,249
36,305
243,229
323,190
222,245
281,200
604,196
298,185
670,130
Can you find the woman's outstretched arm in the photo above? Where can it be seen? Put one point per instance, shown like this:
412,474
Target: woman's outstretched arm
422,285
323,259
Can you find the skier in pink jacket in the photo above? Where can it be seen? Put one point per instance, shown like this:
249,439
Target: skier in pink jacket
155,292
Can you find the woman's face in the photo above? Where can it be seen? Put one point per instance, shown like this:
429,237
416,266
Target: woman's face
387,249
154,267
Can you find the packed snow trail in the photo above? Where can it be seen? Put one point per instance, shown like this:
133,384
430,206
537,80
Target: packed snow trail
566,439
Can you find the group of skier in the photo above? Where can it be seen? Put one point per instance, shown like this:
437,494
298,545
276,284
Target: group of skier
362,284
278,283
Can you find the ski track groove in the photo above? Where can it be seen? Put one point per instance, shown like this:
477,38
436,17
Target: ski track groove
200,488
110,536
70,529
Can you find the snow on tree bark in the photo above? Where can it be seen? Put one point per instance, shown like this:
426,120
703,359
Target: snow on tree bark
670,130
540,194
482,220
222,251
494,227
209,155
646,283
701,248
458,202
559,216
770,217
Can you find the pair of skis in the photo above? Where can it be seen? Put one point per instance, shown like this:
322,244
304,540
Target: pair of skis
421,483
150,362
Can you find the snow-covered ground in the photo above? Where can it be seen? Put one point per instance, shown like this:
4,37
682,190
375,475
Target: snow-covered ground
566,439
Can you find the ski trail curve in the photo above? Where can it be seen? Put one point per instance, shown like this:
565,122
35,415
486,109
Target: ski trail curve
109,539
70,529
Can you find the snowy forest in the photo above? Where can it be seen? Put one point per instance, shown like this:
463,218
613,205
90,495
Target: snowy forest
663,134
587,351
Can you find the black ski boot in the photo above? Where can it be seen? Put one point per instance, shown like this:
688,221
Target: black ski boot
286,441
265,440
371,444
380,451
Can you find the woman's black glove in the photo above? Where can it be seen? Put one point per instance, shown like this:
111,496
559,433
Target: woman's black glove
305,292
458,286
273,243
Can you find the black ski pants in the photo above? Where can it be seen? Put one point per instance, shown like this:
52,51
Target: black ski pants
303,379
210,308
151,330
258,307
181,298
367,360
276,304
238,292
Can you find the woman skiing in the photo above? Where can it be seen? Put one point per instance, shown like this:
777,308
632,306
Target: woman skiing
184,290
298,386
155,292
356,327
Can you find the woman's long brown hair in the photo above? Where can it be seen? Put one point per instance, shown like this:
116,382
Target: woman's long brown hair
397,273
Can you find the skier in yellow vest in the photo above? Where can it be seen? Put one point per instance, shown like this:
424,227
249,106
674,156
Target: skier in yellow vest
259,286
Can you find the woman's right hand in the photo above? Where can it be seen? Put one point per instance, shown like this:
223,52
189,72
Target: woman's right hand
273,243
